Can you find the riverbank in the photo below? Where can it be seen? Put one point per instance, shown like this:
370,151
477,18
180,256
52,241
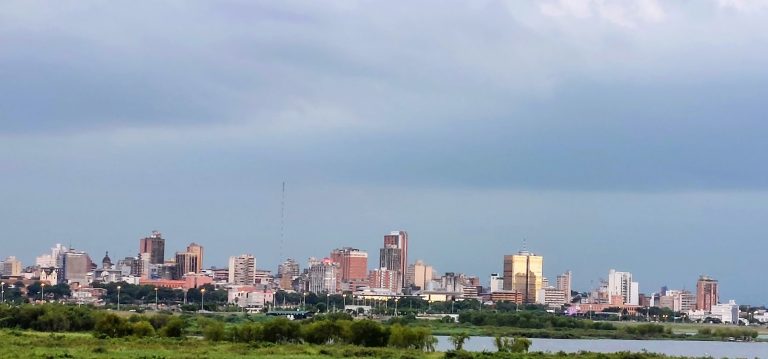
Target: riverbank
29,344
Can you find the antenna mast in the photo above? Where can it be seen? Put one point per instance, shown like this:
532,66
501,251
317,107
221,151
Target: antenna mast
282,222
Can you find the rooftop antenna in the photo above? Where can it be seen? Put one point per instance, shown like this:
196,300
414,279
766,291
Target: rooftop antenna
525,245
282,222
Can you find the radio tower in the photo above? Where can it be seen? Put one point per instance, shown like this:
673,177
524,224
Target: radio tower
282,222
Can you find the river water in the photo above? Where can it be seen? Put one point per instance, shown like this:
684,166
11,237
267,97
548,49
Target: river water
686,348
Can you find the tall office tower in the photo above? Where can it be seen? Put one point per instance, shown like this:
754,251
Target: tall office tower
198,251
154,247
390,257
523,274
323,276
420,275
563,282
76,265
399,239
353,264
620,284
11,266
242,270
190,261
707,293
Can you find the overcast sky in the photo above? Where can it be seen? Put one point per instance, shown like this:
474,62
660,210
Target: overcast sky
608,134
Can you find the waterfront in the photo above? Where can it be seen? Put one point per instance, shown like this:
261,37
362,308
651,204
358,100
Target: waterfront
689,348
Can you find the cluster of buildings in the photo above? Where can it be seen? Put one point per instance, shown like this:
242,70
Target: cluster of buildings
347,270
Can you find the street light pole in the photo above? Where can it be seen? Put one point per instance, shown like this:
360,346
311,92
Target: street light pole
156,306
2,290
118,297
42,292
202,299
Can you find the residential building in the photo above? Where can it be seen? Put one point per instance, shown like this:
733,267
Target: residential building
384,278
421,274
242,269
11,266
563,282
621,284
323,277
391,258
353,264
523,274
398,239
552,297
707,293
76,265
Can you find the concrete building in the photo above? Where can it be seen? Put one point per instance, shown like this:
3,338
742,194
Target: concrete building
391,258
497,283
523,274
552,297
563,282
420,275
621,284
384,279
707,293
250,296
76,266
353,264
727,312
190,261
677,300
323,276
11,266
287,272
242,270
398,239
154,247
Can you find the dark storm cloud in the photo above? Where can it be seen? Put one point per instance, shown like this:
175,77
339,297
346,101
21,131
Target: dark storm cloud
562,121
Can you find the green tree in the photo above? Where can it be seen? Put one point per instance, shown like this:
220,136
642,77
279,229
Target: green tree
142,329
281,330
174,328
111,325
458,340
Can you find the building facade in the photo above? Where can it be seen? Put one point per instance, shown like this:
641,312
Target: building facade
154,247
707,293
523,274
353,264
323,277
399,239
621,284
242,270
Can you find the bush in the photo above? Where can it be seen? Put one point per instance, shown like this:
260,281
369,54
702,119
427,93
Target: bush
213,331
111,326
509,345
411,338
281,330
368,333
326,332
247,333
174,328
142,329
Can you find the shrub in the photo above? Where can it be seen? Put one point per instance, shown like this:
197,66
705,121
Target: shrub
213,331
326,332
142,329
281,330
368,333
174,328
247,333
111,325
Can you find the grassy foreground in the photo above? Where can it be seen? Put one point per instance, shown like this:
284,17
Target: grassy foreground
30,344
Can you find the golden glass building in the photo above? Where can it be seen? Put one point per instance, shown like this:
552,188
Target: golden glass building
523,273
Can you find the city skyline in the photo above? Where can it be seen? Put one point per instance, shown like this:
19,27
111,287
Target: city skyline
628,134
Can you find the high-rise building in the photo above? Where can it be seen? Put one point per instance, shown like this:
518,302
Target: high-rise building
353,264
421,275
154,247
390,257
11,266
620,284
190,261
198,251
523,274
707,293
323,276
242,269
76,265
563,282
399,239
288,271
